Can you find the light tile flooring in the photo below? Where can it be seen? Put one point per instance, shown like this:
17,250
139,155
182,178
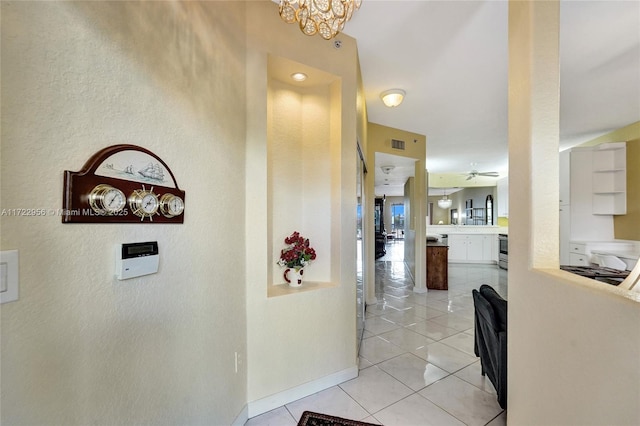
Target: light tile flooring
417,365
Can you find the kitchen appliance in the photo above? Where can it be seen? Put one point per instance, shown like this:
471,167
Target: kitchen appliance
598,273
503,251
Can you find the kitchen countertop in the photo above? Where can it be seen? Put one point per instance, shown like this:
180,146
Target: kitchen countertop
436,244
466,229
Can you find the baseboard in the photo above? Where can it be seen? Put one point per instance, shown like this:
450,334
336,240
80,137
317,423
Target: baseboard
242,417
279,399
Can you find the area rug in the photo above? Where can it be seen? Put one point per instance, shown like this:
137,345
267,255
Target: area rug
316,419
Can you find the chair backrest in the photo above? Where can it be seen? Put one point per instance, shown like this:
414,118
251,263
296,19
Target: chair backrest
498,304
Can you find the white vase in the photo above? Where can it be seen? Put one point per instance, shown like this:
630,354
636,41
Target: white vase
294,276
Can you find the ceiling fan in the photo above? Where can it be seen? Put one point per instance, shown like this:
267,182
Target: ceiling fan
473,173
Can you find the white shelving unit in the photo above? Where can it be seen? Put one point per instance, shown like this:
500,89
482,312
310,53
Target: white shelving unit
609,183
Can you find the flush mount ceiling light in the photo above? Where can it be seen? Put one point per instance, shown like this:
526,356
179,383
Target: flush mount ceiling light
326,17
393,97
387,169
299,76
444,202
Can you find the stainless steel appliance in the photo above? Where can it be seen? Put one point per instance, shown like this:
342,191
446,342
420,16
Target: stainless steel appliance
503,253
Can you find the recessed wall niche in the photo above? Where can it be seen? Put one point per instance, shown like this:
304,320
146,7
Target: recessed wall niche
303,156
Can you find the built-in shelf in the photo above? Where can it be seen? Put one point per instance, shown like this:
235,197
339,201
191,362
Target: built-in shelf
285,290
303,168
609,182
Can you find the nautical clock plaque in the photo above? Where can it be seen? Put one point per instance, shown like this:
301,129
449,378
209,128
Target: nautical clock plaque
122,184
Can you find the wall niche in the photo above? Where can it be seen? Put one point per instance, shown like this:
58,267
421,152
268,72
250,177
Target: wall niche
303,169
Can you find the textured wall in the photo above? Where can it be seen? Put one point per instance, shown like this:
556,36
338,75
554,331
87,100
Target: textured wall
80,347
300,338
574,344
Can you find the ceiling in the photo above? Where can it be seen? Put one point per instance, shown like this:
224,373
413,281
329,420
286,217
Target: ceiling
451,59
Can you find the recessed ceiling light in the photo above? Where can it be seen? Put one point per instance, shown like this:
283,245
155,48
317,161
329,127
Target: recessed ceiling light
299,76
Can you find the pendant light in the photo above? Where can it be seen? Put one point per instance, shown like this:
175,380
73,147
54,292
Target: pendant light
444,202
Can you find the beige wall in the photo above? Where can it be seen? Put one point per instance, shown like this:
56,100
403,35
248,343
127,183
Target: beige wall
303,341
80,347
573,342
379,140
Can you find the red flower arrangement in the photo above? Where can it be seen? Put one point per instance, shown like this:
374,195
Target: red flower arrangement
298,254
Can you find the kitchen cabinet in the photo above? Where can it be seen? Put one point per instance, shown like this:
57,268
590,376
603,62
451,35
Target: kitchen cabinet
581,252
437,267
471,248
502,188
578,255
586,226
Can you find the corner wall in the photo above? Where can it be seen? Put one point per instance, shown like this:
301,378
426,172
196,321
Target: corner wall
379,140
80,347
303,341
573,342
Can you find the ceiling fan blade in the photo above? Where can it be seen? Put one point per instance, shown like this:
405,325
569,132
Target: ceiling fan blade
470,177
490,174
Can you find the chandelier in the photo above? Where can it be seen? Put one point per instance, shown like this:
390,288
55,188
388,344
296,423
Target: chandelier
444,202
326,17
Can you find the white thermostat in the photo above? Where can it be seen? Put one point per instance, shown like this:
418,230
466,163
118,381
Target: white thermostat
137,259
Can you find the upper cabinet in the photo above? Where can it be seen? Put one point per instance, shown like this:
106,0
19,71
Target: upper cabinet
502,186
609,167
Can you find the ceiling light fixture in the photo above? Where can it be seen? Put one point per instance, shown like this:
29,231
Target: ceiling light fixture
387,169
326,17
299,76
393,97
444,202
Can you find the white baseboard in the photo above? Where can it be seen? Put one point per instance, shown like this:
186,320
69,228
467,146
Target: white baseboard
242,417
279,399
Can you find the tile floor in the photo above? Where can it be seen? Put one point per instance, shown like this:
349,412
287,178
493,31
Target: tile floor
417,365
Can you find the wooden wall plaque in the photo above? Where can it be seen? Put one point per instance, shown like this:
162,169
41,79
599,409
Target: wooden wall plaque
122,184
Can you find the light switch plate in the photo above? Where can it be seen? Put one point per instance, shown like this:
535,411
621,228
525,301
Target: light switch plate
8,276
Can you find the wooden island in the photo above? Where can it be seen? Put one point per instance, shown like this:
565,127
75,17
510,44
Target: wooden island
437,266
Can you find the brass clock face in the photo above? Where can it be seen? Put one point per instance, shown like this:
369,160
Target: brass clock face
171,205
107,200
144,203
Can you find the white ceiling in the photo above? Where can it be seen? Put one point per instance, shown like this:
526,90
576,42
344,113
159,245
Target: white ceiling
451,59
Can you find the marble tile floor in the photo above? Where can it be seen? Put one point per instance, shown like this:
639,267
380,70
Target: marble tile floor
417,365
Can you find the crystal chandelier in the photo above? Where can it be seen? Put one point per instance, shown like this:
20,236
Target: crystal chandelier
326,17
444,202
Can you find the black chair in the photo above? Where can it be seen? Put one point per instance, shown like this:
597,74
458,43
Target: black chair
490,342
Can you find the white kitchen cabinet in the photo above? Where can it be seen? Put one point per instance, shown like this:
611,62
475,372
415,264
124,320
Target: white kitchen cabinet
457,248
474,248
581,252
578,254
502,188
471,248
586,226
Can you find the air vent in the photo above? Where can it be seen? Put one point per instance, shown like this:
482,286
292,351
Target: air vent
397,144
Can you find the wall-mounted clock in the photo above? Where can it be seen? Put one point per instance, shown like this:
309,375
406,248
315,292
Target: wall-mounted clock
144,203
105,199
171,205
122,184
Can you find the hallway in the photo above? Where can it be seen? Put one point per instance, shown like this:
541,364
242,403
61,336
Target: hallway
417,365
